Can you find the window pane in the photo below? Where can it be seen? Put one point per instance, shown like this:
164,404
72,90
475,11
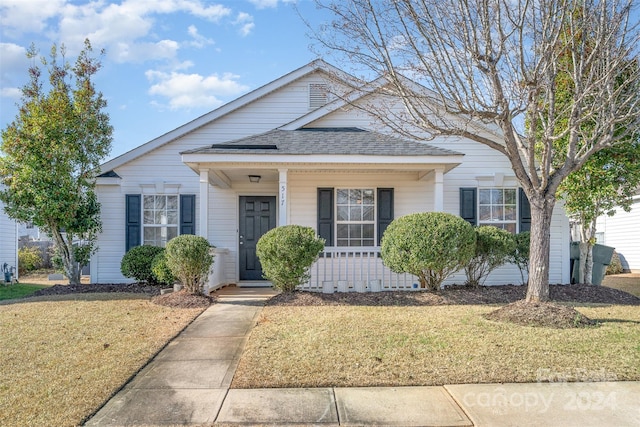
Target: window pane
171,232
172,202
343,197
510,213
148,202
510,196
160,218
485,213
355,242
485,197
367,197
367,213
355,213
160,202
343,231
510,227
172,217
355,197
148,217
496,213
355,231
343,242
367,242
367,231
343,213
496,196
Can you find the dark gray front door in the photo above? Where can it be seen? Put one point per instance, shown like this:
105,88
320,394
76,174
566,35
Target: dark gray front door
257,216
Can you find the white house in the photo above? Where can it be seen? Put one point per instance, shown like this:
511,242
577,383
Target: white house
287,153
8,243
622,231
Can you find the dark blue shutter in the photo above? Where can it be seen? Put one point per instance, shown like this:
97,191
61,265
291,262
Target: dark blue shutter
325,215
468,205
524,216
187,214
133,219
385,210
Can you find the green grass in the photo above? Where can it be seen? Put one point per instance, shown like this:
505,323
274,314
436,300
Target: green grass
352,346
18,290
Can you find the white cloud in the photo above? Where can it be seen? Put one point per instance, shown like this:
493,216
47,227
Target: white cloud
186,91
263,4
120,28
245,21
14,69
199,40
10,92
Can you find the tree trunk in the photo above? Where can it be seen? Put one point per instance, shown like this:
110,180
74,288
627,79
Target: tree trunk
541,211
582,262
69,264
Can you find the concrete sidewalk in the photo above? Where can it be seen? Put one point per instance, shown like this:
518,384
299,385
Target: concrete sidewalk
188,384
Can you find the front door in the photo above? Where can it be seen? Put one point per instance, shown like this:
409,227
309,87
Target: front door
257,216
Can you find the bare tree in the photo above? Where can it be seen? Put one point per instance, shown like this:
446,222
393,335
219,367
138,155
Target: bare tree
495,62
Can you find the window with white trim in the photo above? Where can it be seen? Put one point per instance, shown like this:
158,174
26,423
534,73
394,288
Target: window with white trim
159,219
498,207
355,217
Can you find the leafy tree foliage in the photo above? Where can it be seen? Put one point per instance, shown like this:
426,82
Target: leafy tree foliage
520,255
52,150
429,245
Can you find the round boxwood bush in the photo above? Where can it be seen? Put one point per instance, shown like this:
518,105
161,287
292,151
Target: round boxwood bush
494,246
189,259
286,253
136,263
161,271
430,245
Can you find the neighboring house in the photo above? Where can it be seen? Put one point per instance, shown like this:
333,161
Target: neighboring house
8,243
31,232
287,153
622,231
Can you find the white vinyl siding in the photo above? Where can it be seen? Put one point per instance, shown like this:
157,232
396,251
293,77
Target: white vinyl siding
9,246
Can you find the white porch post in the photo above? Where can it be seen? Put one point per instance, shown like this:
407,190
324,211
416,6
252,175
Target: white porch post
438,189
204,203
282,198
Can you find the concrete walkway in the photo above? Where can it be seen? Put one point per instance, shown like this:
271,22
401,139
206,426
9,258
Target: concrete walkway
188,384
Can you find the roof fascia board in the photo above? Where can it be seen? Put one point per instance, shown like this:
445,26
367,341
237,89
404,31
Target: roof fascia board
244,159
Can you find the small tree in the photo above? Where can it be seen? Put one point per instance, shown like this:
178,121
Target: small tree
286,253
137,263
493,247
520,255
52,150
430,245
189,259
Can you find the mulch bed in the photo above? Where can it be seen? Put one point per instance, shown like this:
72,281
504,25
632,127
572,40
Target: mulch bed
549,314
134,288
459,295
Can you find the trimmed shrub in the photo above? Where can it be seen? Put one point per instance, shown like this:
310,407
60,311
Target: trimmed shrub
615,266
161,271
136,263
493,248
189,260
286,253
430,245
520,256
29,259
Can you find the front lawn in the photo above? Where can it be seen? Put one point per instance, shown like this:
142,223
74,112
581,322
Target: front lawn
63,357
18,290
355,345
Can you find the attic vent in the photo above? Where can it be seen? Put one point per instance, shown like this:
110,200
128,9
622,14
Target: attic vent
318,95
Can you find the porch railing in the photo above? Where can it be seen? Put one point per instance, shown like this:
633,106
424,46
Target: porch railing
355,270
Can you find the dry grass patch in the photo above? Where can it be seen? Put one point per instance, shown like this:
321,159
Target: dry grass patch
320,346
61,360
629,282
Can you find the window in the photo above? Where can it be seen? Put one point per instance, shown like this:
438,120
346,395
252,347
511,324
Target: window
498,207
355,217
160,219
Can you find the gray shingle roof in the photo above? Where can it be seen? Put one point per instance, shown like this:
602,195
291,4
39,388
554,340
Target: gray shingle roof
305,141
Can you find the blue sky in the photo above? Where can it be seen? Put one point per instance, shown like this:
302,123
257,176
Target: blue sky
167,61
